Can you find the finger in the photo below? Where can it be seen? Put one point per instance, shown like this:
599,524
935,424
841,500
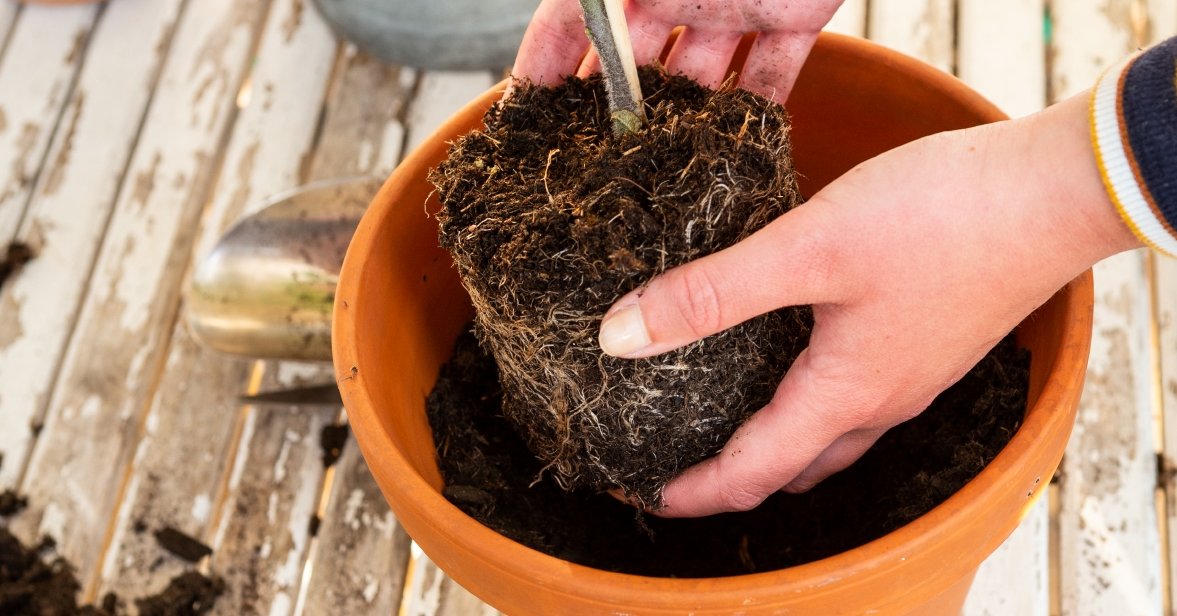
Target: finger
839,455
767,452
553,44
647,34
703,55
786,263
774,62
591,64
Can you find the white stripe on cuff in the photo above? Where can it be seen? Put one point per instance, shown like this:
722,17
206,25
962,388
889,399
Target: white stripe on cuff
1110,147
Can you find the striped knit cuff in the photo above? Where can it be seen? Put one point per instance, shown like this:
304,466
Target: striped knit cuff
1134,132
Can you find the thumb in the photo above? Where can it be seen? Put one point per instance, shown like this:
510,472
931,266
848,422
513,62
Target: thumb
787,263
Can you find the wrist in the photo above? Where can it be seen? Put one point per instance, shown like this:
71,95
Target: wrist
1082,212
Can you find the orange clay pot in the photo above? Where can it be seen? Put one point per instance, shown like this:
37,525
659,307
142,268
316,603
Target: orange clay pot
400,307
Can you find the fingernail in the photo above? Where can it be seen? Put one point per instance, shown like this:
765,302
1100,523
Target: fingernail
624,332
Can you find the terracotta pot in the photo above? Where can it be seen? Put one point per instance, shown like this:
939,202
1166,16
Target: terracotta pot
400,307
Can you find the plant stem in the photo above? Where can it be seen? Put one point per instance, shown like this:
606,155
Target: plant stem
605,24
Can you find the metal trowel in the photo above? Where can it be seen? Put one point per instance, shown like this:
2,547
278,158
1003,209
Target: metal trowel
266,289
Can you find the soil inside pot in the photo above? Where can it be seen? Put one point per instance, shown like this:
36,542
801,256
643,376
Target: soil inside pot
491,475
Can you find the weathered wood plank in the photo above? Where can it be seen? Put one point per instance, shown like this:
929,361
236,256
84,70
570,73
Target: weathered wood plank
1165,292
429,592
41,60
8,16
1109,547
261,543
70,207
439,95
1086,40
1015,579
1001,52
96,413
920,28
358,560
272,141
267,153
185,451
1162,24
362,131
850,19
362,553
1162,21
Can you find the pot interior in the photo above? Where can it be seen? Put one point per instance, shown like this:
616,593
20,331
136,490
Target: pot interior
401,305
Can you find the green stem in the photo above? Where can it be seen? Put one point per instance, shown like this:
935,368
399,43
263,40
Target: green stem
605,24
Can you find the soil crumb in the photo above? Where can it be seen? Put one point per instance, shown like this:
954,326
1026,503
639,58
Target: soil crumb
15,256
181,544
11,503
489,471
189,593
332,439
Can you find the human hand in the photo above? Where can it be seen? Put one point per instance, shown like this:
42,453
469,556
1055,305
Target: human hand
916,262
555,43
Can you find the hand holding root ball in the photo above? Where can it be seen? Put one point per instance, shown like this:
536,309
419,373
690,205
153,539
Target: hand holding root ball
916,262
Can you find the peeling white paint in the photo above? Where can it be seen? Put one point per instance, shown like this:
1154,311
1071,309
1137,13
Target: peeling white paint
291,438
202,506
152,422
272,508
371,588
53,521
281,605
90,407
243,451
352,507
287,575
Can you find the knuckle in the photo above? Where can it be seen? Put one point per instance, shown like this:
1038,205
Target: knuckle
800,486
697,301
740,497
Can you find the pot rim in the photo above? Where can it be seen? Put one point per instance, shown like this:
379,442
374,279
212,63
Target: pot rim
951,518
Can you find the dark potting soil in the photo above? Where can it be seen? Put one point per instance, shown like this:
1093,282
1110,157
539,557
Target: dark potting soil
551,218
35,581
13,258
181,544
332,439
489,474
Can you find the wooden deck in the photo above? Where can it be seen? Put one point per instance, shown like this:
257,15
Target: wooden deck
132,133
